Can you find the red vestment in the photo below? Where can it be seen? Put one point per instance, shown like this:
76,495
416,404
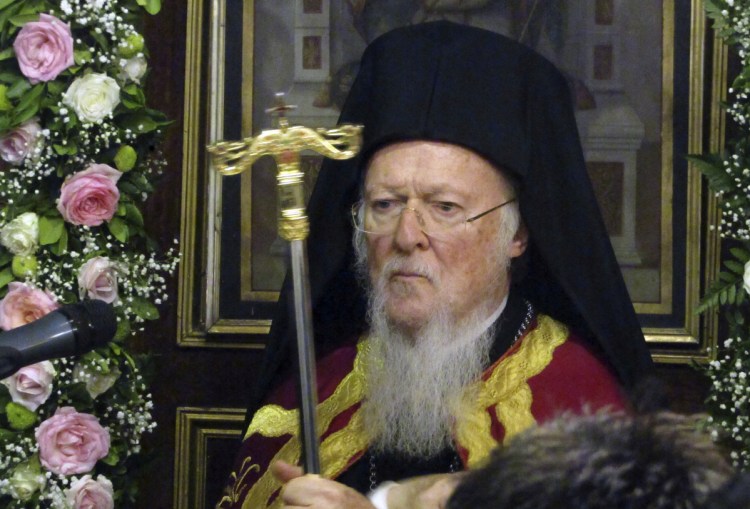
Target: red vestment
545,373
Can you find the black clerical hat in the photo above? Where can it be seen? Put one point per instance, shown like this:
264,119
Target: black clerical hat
478,89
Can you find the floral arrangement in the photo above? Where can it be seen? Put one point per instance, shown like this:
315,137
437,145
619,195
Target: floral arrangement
78,158
728,176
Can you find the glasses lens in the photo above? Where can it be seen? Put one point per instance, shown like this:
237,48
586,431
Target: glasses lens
383,219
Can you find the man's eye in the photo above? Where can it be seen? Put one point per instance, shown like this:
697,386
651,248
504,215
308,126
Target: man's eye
446,207
382,206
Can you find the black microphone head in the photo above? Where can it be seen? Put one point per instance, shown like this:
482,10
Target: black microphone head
94,321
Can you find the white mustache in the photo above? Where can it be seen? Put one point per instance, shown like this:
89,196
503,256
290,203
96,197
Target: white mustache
398,265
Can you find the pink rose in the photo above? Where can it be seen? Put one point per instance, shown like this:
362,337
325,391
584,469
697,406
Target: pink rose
24,304
44,48
90,197
97,278
70,442
30,386
86,493
17,143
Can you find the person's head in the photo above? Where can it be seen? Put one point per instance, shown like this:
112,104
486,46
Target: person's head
437,228
442,225
601,461
735,494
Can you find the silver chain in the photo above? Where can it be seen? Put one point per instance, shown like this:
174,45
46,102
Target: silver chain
526,322
453,467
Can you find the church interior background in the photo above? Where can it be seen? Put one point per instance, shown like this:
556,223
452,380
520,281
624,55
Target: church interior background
205,360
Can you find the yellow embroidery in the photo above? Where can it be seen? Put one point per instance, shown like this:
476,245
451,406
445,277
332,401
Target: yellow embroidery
232,495
340,447
275,421
508,391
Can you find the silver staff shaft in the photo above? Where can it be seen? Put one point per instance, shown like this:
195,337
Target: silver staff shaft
306,355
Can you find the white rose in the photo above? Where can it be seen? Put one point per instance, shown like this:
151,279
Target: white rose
86,493
98,279
96,383
21,235
133,69
93,97
25,481
21,142
746,277
31,385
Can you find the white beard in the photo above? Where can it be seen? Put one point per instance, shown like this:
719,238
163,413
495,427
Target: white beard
416,384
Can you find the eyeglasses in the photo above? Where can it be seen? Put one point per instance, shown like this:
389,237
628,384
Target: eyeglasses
381,217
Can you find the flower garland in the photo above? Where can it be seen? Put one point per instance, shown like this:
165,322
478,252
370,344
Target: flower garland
78,157
728,176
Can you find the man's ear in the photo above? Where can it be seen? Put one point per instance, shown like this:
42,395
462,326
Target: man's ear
520,241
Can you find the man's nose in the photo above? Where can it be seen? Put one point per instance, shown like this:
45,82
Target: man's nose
409,234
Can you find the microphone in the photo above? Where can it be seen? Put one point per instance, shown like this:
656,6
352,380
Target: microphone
70,330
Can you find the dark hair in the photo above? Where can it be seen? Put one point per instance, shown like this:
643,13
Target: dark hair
601,461
733,495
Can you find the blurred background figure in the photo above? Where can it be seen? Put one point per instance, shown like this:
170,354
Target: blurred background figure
603,461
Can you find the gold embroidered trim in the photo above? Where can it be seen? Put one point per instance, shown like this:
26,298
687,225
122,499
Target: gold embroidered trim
508,391
340,447
275,421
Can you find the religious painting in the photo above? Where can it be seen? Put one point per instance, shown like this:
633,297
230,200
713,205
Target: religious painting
312,13
639,112
311,54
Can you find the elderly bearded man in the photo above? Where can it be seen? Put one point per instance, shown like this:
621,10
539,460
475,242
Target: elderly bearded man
480,295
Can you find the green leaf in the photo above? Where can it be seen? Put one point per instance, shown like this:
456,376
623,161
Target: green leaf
139,122
112,458
119,229
712,167
17,89
6,276
6,53
22,19
5,257
144,308
741,254
727,277
7,435
134,215
731,294
734,266
31,97
151,6
99,38
50,229
19,417
65,150
123,330
8,77
62,245
21,116
5,3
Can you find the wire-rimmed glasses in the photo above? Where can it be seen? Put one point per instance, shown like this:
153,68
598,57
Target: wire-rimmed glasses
381,217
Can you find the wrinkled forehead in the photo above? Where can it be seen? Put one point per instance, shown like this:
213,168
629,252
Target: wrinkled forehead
431,167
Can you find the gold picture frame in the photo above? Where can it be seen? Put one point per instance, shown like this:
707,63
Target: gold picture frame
206,440
220,218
